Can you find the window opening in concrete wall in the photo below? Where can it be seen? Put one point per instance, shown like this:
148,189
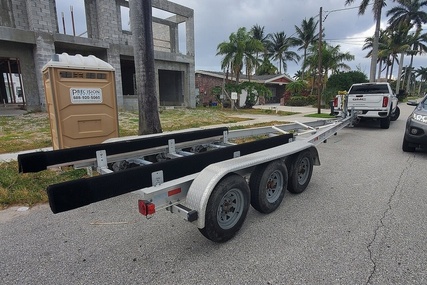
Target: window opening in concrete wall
127,67
71,16
182,38
169,29
125,18
171,91
11,87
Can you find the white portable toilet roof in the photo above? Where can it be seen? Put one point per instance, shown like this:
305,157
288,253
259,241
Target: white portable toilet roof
78,62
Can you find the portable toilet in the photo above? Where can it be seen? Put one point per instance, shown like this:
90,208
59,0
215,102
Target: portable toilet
81,100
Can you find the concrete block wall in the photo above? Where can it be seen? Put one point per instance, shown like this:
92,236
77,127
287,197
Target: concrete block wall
42,16
35,25
20,15
91,20
6,16
108,21
161,37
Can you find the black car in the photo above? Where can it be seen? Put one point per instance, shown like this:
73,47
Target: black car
416,127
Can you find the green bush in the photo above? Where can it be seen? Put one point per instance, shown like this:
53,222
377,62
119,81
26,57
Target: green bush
301,100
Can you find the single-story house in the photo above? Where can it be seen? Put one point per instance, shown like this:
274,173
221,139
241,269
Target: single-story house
207,80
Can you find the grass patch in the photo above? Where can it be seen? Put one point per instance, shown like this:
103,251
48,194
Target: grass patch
32,131
30,188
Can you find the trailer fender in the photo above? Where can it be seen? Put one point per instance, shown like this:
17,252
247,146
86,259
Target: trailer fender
203,185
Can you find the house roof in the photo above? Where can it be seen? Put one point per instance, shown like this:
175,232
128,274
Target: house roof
270,79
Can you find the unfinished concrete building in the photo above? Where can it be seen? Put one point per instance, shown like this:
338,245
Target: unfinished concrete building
31,32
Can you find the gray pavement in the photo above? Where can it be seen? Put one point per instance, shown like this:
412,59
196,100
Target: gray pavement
11,110
14,110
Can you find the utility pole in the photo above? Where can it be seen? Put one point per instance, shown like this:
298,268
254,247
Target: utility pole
319,83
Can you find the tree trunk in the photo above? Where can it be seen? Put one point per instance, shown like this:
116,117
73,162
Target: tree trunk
374,55
143,45
391,68
409,73
379,69
399,72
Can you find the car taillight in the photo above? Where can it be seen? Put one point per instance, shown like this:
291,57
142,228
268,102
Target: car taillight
385,101
336,102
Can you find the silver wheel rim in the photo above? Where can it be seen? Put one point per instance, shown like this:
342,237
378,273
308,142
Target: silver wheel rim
230,209
274,186
303,170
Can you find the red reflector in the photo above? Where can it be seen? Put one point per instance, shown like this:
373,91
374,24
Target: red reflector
146,208
174,192
385,101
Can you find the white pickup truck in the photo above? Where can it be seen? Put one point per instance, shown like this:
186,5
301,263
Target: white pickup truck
370,100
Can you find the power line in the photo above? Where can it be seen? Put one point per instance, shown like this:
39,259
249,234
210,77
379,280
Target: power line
340,10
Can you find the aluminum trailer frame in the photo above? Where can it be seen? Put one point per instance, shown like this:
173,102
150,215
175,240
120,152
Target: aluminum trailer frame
185,182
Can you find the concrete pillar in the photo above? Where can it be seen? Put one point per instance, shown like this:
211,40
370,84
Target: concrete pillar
108,21
43,52
113,58
189,27
42,16
91,19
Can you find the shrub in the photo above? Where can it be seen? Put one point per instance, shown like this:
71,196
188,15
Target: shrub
299,101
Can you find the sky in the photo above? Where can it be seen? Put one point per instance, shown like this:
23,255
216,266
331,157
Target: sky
215,20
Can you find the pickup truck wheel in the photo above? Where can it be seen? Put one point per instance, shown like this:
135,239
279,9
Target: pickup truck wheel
385,122
268,185
406,146
226,209
394,116
302,169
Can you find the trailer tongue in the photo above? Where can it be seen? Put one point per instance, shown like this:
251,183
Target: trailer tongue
198,174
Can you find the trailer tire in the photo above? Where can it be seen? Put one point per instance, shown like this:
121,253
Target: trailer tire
226,209
302,169
268,184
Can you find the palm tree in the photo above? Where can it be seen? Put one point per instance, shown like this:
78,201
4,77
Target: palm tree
306,36
279,50
418,44
422,73
266,67
141,24
257,32
332,58
376,9
238,51
408,12
382,48
399,44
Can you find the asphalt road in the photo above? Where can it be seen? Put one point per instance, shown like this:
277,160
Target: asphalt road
360,221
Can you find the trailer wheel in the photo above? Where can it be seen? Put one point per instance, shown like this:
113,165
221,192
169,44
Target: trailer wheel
268,185
302,169
226,209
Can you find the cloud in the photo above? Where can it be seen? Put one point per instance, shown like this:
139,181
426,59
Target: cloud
215,20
